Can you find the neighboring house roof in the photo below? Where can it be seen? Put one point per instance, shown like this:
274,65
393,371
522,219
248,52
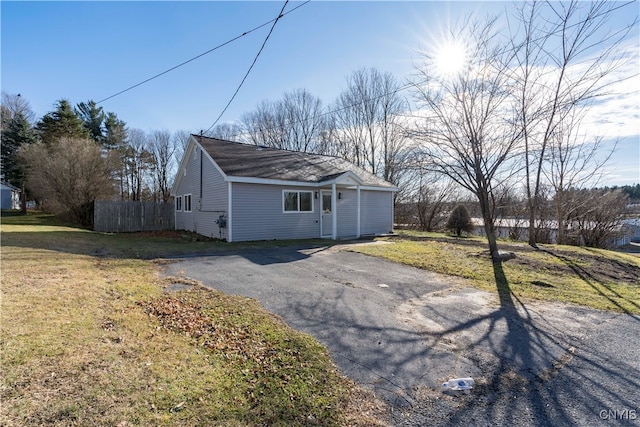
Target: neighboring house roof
252,161
6,185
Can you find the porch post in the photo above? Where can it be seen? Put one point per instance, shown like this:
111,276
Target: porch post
358,212
334,212
230,213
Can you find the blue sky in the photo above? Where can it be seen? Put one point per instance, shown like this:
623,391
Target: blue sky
91,50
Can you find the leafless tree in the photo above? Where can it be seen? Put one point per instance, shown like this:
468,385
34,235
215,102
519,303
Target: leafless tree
469,135
564,60
181,141
304,120
227,132
422,199
161,146
296,122
264,126
366,117
597,219
575,160
511,210
137,162
68,176
14,104
328,142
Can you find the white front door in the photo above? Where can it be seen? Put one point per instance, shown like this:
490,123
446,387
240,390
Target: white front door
326,217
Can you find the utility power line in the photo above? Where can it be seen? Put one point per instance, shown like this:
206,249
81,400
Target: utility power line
203,53
416,84
280,15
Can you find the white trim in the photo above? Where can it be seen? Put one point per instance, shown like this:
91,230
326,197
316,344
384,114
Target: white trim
345,177
392,213
230,214
322,184
322,235
371,188
184,202
334,212
358,212
319,193
285,190
251,180
176,202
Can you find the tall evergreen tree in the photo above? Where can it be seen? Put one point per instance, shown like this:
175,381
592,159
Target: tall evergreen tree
63,122
92,117
17,132
5,118
115,132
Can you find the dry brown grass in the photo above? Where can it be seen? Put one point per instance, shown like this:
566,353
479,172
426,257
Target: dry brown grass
80,346
591,277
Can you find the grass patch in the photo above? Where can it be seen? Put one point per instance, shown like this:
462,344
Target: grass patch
42,231
592,277
88,337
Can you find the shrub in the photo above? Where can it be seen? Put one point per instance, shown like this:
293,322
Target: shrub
460,221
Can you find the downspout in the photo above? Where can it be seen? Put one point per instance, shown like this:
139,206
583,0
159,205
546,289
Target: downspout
334,216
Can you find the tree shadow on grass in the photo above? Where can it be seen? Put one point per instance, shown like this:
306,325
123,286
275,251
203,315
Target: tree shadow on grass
520,392
596,284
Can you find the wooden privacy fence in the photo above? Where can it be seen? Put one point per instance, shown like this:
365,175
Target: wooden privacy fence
116,216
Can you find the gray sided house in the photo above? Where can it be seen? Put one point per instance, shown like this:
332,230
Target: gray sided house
242,192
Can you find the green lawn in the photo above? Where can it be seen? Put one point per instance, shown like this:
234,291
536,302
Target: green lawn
88,337
592,277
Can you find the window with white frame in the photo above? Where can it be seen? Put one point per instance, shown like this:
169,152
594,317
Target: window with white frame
297,201
187,202
179,203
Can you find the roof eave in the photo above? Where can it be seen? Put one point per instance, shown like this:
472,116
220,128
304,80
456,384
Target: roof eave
267,181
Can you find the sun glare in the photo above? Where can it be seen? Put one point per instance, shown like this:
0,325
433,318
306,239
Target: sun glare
450,58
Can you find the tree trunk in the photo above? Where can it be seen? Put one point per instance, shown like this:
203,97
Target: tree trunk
560,238
491,238
487,217
532,224
23,197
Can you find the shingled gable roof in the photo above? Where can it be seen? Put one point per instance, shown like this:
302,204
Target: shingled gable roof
252,161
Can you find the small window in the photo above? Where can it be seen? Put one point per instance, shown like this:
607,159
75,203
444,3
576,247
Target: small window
297,201
179,203
187,202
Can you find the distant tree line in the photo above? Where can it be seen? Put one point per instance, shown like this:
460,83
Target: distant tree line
632,191
505,134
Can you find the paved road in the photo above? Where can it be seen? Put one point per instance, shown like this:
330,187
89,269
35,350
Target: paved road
401,331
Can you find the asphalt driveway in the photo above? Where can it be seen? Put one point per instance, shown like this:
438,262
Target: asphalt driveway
401,332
